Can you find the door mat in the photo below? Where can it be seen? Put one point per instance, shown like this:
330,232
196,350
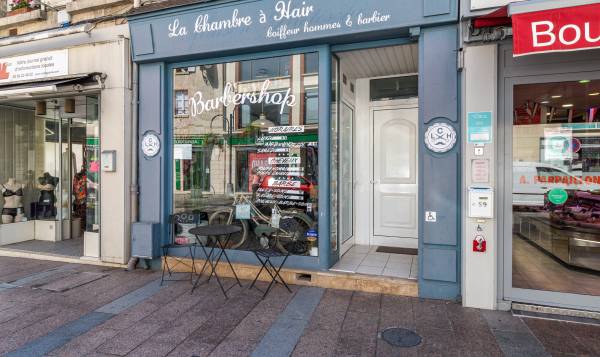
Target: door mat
395,250
72,281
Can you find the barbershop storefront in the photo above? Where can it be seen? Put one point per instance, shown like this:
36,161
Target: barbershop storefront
313,127
546,154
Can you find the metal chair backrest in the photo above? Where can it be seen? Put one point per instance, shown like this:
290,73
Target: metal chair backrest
176,220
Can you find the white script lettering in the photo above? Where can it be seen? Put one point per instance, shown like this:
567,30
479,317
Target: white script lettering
203,23
199,105
175,30
285,11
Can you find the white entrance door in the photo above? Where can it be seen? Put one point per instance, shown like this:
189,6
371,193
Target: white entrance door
394,176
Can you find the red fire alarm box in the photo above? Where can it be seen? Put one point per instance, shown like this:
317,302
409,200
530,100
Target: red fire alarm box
479,243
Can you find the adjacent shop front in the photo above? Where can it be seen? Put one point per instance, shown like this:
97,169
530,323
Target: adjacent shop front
313,127
62,105
546,155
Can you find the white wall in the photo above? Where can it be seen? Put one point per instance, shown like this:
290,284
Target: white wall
479,270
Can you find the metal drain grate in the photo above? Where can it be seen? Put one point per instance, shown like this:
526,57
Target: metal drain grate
400,337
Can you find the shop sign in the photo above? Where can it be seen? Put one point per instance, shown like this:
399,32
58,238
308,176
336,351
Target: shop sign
557,30
34,66
440,137
150,144
199,105
182,151
479,127
558,196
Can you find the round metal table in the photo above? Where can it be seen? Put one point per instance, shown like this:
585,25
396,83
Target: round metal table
215,230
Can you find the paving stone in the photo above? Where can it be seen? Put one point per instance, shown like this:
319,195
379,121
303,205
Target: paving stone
365,302
127,340
504,321
555,340
431,314
85,343
358,334
514,343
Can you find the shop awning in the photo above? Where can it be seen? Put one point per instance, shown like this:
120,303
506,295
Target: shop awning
497,17
25,89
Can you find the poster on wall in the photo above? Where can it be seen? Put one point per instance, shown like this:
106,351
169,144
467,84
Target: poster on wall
40,65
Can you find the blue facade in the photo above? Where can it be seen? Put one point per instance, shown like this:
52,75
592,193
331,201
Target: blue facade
162,40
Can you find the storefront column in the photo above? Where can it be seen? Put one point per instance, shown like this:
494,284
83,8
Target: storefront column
479,268
153,172
439,176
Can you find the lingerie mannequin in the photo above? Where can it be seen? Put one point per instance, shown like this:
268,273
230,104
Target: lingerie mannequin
12,210
46,203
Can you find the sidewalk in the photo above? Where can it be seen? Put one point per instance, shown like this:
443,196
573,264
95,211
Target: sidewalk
56,309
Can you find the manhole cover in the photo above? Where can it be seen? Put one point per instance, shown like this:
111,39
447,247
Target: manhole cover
400,337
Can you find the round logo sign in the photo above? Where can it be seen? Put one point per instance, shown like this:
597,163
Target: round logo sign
150,144
440,137
558,196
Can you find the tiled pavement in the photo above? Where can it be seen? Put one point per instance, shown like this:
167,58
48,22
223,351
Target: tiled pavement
127,314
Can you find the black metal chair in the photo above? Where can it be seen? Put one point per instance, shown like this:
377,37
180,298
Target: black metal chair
264,256
176,223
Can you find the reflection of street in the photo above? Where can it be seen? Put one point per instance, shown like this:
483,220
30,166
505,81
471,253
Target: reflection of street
532,269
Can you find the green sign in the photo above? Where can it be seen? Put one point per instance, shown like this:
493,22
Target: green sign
558,196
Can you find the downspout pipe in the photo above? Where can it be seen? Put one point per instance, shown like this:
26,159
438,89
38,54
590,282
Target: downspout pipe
133,187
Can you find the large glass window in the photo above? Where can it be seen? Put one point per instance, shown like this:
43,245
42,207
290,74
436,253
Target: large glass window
50,173
556,187
246,153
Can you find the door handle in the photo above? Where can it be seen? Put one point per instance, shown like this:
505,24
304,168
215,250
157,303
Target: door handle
374,182
544,187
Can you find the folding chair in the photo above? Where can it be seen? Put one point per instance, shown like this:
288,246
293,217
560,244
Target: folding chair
178,223
264,256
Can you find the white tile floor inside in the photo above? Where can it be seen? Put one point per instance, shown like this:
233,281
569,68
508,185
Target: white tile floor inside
364,259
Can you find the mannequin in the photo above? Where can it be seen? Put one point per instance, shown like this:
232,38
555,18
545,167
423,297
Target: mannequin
47,184
13,211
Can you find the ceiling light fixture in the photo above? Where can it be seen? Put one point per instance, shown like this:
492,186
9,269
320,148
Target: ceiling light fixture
545,101
567,105
594,94
584,81
557,96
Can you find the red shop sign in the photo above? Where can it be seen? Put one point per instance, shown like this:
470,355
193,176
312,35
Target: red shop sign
557,30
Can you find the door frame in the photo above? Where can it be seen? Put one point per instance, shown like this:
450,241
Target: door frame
345,246
408,103
504,204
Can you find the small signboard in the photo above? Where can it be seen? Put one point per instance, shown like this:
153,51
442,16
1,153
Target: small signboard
480,171
479,127
39,65
481,202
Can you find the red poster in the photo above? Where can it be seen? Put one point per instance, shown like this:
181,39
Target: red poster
257,160
556,30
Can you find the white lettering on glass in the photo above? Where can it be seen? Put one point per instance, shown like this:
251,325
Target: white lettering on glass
286,11
199,105
537,33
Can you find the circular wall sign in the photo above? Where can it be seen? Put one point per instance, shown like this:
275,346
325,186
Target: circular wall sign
558,196
440,137
150,144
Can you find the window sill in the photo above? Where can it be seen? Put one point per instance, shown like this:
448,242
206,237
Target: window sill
77,6
12,21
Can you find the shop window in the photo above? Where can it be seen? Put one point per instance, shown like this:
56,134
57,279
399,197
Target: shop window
556,186
394,88
181,102
244,154
311,63
50,171
265,68
311,106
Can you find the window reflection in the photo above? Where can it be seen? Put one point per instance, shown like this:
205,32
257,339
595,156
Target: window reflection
245,148
556,187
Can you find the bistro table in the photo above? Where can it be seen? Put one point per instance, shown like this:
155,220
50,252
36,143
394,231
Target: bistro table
215,230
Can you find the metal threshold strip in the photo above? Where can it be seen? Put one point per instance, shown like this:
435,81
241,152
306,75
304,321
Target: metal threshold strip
56,86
